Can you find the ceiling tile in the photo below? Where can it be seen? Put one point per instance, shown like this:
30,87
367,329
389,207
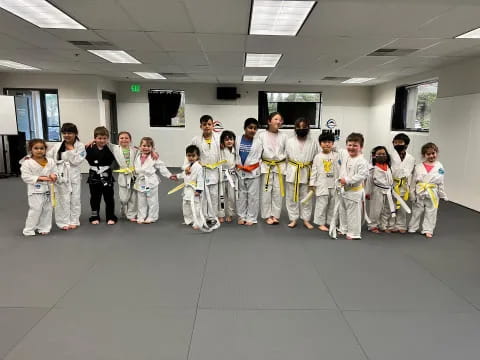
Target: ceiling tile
129,40
215,42
176,41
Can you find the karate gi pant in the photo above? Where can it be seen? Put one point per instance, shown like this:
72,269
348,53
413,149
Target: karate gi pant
96,193
324,205
400,221
191,204
296,209
350,212
69,208
423,206
379,211
271,199
128,201
228,200
148,205
213,211
39,214
248,199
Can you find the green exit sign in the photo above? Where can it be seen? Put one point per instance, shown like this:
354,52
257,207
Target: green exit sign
135,88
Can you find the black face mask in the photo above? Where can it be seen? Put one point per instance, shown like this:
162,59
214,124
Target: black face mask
381,159
400,148
302,132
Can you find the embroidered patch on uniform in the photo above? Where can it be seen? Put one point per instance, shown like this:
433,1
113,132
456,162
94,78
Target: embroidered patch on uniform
441,171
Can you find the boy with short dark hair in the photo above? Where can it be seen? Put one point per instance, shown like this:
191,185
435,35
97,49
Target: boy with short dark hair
353,172
100,178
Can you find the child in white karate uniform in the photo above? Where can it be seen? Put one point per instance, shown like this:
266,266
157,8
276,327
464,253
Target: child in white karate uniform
147,181
322,180
300,150
426,190
228,179
38,172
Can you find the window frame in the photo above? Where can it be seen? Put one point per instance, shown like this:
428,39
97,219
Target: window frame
396,107
318,121
184,95
43,108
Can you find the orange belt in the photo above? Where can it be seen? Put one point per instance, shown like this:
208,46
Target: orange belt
248,168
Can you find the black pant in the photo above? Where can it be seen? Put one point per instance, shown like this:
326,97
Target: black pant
96,192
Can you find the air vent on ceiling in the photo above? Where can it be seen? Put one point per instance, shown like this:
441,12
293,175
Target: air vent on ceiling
392,52
335,78
92,45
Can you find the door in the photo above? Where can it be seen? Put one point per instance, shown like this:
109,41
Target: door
110,111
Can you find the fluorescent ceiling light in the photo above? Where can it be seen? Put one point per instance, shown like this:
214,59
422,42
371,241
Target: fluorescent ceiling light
150,75
474,34
262,60
116,56
279,17
260,78
15,65
357,80
40,13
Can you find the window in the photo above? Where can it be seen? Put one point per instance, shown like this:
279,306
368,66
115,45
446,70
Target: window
37,113
167,108
291,105
413,106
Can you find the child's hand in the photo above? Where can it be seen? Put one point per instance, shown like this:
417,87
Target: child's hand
343,181
188,170
155,155
53,177
173,177
44,178
87,145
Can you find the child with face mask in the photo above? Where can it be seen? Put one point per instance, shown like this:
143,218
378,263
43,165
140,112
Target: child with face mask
300,149
403,164
379,191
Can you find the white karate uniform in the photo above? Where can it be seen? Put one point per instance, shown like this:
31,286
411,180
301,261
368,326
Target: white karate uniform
209,155
381,206
146,186
302,153
249,182
228,192
423,202
324,174
402,172
39,196
128,196
355,172
191,204
273,149
68,186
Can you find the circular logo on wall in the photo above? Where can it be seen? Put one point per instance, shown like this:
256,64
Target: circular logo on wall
331,123
217,126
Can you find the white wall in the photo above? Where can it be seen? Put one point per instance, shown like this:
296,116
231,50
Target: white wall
454,126
349,106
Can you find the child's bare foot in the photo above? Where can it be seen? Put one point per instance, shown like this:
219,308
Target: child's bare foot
270,221
374,230
292,224
428,235
44,233
348,237
249,223
323,228
95,222
221,219
388,230
308,225
133,220
394,230
195,227
111,222
402,231
228,219
275,220
72,227
65,228
139,221
241,222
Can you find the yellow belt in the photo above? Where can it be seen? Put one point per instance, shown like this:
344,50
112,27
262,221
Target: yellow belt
272,163
296,184
429,188
354,188
127,170
401,184
180,187
214,165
